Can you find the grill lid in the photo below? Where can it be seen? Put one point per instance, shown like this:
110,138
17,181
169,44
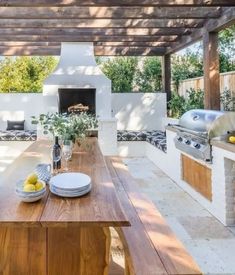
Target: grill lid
214,123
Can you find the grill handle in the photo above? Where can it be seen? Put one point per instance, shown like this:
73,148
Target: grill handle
181,129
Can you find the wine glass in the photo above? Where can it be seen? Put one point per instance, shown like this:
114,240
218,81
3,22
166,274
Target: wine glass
56,157
67,153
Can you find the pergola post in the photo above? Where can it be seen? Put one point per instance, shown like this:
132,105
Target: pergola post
211,71
166,75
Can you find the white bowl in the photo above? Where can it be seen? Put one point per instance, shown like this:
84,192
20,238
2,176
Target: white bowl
29,196
32,199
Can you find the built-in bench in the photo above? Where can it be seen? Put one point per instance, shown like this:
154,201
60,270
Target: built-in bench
18,135
150,246
156,137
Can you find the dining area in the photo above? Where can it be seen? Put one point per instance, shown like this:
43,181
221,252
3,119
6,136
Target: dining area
70,233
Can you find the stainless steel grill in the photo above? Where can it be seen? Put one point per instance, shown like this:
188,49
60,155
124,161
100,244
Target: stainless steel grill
197,127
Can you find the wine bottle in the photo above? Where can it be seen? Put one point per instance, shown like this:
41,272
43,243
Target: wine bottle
56,153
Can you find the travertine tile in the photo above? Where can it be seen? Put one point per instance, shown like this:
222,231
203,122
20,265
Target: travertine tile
210,243
205,228
206,258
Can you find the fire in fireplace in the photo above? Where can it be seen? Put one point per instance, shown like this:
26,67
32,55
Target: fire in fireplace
77,100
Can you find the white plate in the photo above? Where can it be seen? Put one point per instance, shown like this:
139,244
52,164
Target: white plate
71,181
58,190
70,194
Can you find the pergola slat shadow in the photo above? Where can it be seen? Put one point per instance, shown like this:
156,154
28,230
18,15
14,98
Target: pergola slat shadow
158,3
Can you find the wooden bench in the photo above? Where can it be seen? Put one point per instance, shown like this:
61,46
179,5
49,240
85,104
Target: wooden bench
150,246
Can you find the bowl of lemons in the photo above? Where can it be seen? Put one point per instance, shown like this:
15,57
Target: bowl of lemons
31,189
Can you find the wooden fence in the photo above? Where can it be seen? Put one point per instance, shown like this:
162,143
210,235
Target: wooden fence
227,81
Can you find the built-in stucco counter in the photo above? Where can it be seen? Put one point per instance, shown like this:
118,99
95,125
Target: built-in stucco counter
222,173
224,145
223,178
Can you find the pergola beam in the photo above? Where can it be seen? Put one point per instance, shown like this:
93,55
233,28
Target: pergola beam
99,51
103,44
211,71
84,38
106,12
132,27
166,75
227,18
101,23
157,3
133,44
76,32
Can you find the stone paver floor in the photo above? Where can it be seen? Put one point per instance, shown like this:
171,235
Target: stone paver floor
210,243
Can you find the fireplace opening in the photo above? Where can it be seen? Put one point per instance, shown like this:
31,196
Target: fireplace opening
77,100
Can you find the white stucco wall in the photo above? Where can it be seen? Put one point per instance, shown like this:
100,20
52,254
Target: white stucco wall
134,111
139,111
21,106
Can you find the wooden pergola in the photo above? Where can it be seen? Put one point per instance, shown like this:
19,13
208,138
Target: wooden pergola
120,27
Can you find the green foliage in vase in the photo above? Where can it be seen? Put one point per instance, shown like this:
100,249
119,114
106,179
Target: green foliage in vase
149,78
66,126
25,74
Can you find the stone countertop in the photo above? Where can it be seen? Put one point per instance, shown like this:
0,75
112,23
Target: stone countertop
170,128
223,145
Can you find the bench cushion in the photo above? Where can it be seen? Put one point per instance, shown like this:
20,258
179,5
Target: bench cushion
15,125
131,135
15,135
156,137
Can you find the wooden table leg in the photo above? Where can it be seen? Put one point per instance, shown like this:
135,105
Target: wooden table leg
80,250
128,261
22,251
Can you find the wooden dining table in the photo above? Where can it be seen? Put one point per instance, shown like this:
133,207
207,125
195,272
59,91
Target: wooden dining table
56,235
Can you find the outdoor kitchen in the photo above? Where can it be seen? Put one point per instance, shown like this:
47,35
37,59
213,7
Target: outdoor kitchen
202,159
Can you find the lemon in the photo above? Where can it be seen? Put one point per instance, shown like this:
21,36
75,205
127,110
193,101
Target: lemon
39,186
32,178
29,188
232,139
26,182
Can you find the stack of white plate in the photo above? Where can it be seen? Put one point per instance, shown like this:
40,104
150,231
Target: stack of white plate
70,185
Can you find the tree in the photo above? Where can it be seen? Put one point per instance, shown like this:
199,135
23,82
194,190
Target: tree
186,66
121,71
149,78
227,49
25,74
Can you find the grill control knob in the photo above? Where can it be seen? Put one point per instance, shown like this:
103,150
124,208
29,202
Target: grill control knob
180,139
188,142
197,146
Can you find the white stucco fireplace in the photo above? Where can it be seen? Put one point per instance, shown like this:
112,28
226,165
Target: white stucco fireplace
77,71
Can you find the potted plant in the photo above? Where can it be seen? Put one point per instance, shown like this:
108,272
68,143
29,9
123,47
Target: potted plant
68,127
